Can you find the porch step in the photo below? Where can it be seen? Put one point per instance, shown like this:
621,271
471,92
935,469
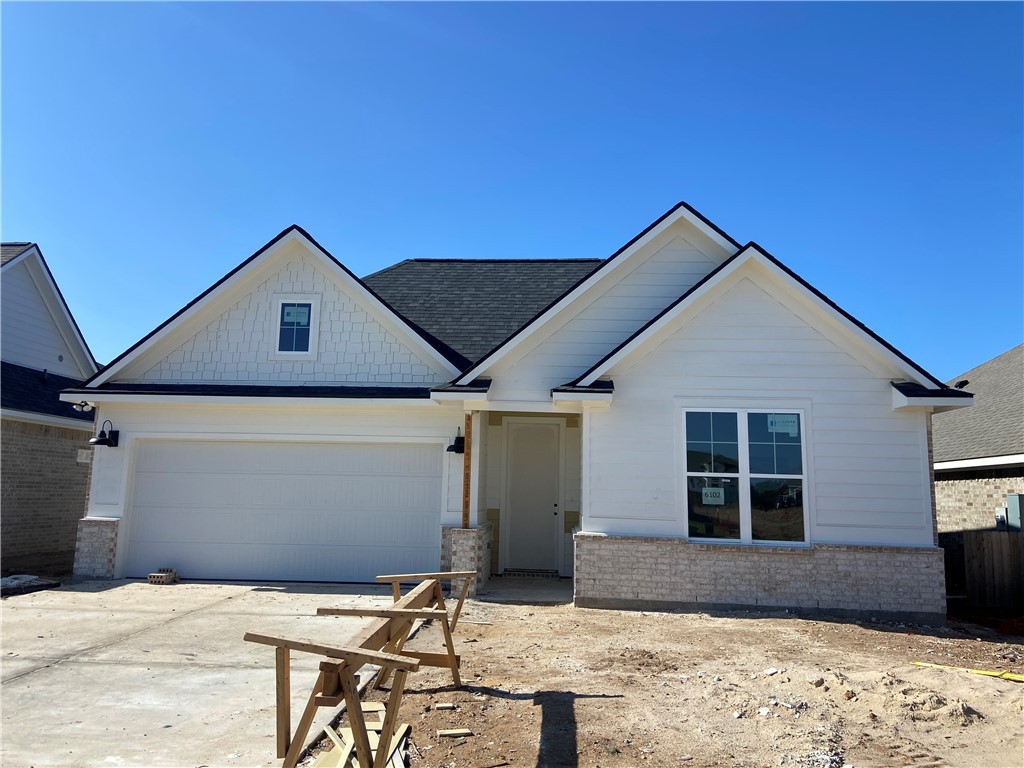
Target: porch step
516,573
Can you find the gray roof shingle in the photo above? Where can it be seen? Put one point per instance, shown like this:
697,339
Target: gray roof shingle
26,389
994,425
10,251
474,305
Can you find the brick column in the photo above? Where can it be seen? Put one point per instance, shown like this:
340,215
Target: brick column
95,548
468,549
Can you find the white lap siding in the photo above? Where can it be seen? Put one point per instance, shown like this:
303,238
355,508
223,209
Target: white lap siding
867,466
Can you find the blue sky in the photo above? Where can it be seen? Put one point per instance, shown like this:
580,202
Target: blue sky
874,148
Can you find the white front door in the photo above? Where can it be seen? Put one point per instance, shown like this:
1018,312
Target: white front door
533,495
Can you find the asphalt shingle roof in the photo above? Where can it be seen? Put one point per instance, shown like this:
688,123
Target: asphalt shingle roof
994,425
10,251
26,389
474,305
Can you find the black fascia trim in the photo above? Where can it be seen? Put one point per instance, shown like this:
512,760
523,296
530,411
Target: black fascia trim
257,390
476,385
848,316
912,389
447,352
603,265
752,244
601,385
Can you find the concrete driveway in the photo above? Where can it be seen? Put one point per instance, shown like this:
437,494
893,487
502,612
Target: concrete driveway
128,674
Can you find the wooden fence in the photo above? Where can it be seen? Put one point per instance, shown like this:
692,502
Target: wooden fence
994,569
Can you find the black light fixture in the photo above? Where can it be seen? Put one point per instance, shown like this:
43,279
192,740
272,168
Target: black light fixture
106,437
458,444
82,407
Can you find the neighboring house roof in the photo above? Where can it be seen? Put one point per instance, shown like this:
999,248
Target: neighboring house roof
10,251
753,252
994,426
26,389
474,305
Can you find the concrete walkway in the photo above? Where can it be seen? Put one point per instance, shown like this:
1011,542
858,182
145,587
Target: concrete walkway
127,674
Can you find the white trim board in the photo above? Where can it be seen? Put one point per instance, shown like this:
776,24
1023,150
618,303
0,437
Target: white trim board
1008,460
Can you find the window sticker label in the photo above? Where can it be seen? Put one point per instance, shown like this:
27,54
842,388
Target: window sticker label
784,422
297,314
713,496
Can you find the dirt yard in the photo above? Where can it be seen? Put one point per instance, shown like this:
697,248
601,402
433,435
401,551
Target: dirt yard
566,686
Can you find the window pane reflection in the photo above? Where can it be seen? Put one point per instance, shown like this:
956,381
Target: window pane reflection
776,510
714,506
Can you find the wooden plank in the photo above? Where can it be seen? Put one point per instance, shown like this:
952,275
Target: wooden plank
433,659
453,659
390,720
455,732
355,716
467,469
359,655
283,697
291,759
462,599
390,613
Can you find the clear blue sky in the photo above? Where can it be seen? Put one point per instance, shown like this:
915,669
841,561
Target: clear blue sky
874,148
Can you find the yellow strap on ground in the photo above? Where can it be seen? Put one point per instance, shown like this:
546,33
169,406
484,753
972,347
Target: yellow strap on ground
987,672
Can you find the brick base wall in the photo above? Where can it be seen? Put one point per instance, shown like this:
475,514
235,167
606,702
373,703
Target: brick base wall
97,544
966,501
43,495
468,549
639,572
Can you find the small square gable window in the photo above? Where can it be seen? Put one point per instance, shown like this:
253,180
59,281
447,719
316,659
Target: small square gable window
294,329
295,323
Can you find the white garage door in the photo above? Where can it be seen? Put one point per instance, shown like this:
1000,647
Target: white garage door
285,511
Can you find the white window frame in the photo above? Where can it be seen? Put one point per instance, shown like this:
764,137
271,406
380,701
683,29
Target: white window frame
312,354
744,475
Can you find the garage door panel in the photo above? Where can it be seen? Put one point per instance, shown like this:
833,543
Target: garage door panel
275,458
289,492
209,509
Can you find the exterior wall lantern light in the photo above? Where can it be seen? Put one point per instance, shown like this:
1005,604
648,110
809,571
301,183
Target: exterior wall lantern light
458,444
106,437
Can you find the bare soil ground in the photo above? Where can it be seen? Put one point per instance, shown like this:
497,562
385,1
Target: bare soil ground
567,686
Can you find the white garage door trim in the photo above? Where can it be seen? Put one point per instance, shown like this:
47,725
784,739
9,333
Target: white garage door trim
223,508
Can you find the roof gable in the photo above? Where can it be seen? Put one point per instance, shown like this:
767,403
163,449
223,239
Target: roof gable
750,257
616,264
207,328
39,330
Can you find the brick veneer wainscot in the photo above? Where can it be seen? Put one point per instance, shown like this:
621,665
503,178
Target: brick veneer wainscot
642,572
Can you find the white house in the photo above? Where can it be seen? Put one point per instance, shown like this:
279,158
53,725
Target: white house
45,442
684,423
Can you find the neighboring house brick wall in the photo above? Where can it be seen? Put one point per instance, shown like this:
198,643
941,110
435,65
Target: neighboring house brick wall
96,547
44,495
639,572
967,500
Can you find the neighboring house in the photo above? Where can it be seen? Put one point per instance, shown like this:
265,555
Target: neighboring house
45,462
979,458
979,452
684,423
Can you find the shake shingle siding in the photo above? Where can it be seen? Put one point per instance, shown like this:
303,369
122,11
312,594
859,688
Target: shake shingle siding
475,305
